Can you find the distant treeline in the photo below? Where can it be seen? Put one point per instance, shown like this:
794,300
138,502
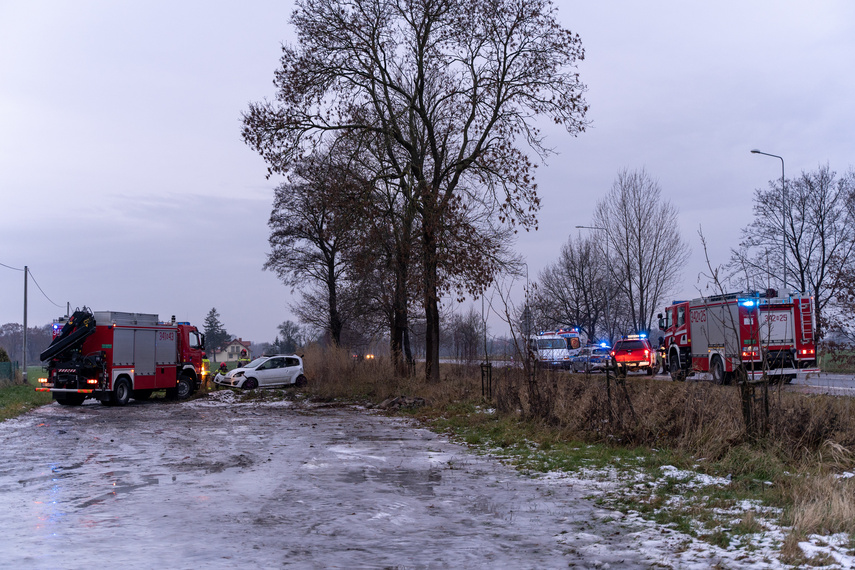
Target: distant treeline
12,339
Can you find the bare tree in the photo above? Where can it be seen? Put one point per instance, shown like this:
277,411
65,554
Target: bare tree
450,87
310,226
466,334
577,289
645,244
819,218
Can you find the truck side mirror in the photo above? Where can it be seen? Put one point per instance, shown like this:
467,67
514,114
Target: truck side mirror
661,323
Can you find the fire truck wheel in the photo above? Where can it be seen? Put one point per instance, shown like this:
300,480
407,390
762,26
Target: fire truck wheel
121,392
717,371
184,388
676,374
301,381
250,384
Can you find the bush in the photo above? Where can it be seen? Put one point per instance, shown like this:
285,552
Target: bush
4,356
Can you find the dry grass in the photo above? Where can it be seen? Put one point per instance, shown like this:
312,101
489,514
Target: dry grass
823,504
334,374
695,416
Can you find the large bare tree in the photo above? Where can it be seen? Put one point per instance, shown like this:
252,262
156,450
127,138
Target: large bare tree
644,242
452,88
819,219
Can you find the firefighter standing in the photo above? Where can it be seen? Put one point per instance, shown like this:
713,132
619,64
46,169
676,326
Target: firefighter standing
206,371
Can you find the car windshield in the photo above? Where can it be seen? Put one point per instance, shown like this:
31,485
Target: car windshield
630,345
551,343
601,351
255,363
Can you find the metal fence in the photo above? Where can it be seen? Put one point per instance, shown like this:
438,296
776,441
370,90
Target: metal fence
8,370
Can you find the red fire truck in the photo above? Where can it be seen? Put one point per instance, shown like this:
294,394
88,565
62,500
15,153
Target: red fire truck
115,356
759,333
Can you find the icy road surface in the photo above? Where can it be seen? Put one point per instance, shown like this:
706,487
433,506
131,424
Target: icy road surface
212,483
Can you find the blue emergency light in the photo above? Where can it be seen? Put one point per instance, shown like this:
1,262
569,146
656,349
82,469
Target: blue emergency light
748,303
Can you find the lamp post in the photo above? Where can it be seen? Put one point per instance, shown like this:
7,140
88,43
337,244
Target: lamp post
783,210
609,269
526,315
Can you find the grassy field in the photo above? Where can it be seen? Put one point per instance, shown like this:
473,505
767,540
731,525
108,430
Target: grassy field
16,399
838,362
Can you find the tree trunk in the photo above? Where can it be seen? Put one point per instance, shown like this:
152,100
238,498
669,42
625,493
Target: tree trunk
335,324
399,331
431,307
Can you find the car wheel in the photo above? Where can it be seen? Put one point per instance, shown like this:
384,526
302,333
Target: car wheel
650,371
121,392
301,381
250,384
184,388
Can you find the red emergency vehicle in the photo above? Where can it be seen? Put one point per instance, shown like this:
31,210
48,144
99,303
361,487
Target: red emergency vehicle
114,356
760,333
634,352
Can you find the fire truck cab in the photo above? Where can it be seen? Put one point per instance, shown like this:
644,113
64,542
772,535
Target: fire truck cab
759,334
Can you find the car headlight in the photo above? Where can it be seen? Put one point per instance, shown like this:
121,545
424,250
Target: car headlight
238,374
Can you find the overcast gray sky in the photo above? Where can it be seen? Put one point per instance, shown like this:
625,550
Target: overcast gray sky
125,185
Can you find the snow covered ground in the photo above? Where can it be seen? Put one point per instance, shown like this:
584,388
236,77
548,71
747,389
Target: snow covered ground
220,483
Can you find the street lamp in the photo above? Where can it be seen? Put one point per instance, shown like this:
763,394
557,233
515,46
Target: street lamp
609,269
783,210
526,315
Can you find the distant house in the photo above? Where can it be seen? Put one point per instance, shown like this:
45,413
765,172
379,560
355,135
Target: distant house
230,352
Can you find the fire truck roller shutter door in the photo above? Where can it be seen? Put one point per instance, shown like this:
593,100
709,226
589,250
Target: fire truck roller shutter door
144,343
123,347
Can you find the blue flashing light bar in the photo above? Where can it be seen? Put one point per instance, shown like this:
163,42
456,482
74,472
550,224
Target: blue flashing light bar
748,303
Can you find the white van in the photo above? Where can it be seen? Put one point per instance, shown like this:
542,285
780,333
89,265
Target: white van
554,349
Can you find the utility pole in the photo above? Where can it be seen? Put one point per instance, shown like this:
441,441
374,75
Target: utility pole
783,212
24,372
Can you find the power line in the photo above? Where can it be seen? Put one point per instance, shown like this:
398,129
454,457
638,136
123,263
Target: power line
10,267
40,289
30,272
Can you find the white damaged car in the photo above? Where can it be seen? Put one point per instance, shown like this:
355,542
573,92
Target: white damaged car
278,370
